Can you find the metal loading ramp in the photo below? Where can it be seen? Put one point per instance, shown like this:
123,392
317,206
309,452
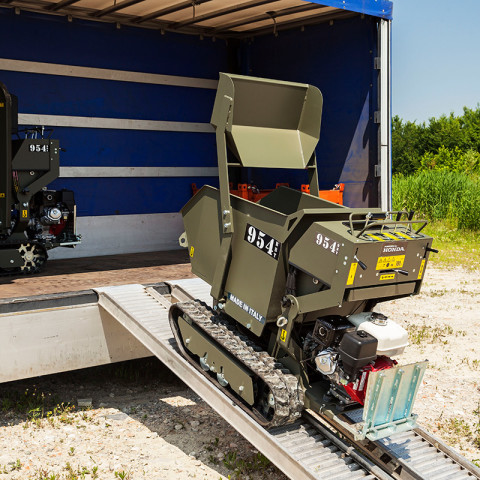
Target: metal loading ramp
297,450
304,450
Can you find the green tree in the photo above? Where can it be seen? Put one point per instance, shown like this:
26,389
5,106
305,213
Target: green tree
405,148
446,143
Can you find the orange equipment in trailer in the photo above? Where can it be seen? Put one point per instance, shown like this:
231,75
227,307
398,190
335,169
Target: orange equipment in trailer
254,194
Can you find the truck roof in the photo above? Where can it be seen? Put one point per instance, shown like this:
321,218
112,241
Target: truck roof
210,17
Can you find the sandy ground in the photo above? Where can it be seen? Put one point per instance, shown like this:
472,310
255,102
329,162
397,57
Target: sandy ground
146,424
444,326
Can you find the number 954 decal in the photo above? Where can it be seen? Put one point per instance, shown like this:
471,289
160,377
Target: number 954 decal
327,243
262,241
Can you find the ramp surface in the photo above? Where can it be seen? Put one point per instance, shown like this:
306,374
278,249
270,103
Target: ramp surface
299,450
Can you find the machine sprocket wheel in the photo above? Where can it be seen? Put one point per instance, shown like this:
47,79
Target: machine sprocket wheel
34,256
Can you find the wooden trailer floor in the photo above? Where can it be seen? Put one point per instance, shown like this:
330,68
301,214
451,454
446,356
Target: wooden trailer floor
85,273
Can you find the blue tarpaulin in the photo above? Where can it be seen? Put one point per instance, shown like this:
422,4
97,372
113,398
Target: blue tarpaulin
376,8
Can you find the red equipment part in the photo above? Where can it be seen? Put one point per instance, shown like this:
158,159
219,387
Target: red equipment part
58,229
358,389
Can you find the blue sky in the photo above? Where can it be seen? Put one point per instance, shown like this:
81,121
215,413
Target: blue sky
435,57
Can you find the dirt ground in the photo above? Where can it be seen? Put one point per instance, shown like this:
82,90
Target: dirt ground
144,423
444,327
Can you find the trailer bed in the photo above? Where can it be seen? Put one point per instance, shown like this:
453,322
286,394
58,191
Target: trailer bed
77,274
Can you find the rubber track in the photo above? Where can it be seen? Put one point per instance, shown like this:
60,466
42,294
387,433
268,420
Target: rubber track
17,271
283,385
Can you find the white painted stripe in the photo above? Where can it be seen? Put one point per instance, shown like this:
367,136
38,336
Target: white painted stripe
102,172
105,74
112,123
115,234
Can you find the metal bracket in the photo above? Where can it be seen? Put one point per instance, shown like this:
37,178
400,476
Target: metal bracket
227,221
377,116
377,64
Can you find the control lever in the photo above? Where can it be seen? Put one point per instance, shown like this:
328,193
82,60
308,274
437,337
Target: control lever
396,270
362,265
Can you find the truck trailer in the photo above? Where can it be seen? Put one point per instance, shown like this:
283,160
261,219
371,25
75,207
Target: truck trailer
129,88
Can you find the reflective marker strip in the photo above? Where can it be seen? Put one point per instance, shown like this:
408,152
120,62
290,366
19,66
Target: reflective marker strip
404,235
351,275
371,235
420,272
389,235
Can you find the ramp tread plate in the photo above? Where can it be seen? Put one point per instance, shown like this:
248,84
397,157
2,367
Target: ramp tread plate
196,288
320,456
415,452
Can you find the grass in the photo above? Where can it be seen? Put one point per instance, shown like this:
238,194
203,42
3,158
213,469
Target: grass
456,429
241,467
450,201
476,427
69,473
422,334
457,248
123,475
26,401
440,195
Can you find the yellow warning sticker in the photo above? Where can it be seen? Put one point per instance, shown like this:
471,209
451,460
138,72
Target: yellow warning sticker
283,335
420,272
2,104
192,250
394,261
24,213
351,274
2,195
387,276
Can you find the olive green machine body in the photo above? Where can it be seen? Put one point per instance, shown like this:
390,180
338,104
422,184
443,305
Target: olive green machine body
291,255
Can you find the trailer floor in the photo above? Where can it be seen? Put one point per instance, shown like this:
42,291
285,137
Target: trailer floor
85,273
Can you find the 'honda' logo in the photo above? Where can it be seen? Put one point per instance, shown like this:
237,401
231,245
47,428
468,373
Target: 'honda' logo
394,249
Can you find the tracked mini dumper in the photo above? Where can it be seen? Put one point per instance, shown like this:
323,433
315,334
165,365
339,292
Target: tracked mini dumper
295,279
33,218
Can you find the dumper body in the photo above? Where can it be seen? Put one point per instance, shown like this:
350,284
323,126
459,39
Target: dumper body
298,275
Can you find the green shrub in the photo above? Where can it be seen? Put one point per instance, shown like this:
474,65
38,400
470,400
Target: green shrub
453,160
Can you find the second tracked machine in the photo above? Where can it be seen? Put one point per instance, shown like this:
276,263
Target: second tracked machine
33,218
296,279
